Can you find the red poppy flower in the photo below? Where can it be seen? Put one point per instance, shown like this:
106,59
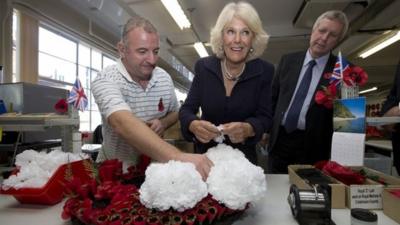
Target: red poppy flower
160,105
61,106
190,218
352,76
341,173
201,215
139,220
355,75
395,193
212,213
69,207
110,170
326,96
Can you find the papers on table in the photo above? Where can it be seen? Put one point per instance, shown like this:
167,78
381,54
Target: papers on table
348,140
348,148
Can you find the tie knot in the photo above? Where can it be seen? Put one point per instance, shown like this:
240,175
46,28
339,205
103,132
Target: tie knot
312,63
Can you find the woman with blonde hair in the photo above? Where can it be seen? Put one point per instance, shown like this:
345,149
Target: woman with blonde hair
232,87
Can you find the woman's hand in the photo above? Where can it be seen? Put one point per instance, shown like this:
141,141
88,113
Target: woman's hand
204,130
238,132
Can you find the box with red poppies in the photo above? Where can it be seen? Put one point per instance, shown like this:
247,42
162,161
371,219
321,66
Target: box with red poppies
370,194
337,189
53,191
352,187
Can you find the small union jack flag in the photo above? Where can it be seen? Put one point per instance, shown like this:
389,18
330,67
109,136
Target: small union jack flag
77,96
341,65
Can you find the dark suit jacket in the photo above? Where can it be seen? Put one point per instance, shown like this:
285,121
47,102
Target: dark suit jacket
250,101
393,100
394,96
319,119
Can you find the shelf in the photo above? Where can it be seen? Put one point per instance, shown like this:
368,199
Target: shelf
379,121
35,122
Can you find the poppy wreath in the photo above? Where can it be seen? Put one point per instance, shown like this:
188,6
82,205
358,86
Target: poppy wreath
111,197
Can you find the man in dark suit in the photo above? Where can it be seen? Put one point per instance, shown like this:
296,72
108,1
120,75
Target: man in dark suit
302,130
391,107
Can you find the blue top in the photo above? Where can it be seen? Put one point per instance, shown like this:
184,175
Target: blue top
250,101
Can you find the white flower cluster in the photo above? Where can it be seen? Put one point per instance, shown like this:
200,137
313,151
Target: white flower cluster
36,168
233,181
219,139
174,184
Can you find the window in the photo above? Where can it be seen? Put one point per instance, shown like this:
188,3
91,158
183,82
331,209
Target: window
14,41
57,56
62,59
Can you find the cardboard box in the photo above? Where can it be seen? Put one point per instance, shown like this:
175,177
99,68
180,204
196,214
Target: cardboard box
387,179
338,193
173,135
391,204
369,195
366,196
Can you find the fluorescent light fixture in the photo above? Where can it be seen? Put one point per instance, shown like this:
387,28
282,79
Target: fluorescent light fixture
368,90
201,50
380,45
175,10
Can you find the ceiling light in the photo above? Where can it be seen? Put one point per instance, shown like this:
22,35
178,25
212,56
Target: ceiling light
368,90
175,10
201,50
380,45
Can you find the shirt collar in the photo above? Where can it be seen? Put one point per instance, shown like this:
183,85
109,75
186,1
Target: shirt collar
121,68
320,62
123,71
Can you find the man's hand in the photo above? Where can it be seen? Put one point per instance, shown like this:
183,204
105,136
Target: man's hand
201,162
157,126
238,132
394,111
204,130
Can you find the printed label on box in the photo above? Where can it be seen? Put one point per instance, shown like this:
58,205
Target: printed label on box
366,196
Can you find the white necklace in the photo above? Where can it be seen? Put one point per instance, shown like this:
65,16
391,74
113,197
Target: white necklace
229,76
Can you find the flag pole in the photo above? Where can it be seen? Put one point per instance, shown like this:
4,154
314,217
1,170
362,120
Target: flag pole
341,65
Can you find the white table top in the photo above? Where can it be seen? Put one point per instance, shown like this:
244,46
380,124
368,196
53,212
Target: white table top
273,209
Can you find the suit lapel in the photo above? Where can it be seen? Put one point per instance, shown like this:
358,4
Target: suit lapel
294,66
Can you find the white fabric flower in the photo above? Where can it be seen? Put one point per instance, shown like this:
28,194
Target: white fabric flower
219,139
223,152
174,184
233,180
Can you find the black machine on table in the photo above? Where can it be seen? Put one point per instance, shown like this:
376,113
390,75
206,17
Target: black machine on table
310,207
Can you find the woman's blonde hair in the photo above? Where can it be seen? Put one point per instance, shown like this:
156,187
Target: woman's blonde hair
249,15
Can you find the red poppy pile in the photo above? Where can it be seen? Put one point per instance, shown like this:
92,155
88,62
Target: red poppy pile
354,76
341,173
110,198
